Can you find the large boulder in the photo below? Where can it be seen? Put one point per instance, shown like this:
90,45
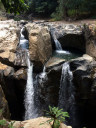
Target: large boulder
39,43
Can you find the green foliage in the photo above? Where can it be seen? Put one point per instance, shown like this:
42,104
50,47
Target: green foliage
6,124
2,122
56,15
56,116
75,8
42,7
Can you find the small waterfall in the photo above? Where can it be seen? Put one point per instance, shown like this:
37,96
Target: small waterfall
66,93
58,45
23,42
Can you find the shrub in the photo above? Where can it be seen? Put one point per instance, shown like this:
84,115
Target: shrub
56,116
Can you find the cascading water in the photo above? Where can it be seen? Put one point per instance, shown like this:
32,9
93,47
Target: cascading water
66,93
40,82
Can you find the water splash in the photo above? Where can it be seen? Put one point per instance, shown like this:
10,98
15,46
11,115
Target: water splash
43,76
63,52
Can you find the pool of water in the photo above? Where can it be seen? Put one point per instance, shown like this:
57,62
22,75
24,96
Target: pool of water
65,54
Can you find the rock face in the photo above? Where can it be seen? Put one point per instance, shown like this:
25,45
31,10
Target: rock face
35,123
12,75
4,110
40,47
90,34
13,72
9,33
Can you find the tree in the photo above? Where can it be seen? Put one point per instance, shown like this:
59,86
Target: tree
14,6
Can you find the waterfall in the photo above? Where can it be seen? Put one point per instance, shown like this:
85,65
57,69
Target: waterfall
30,111
66,93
